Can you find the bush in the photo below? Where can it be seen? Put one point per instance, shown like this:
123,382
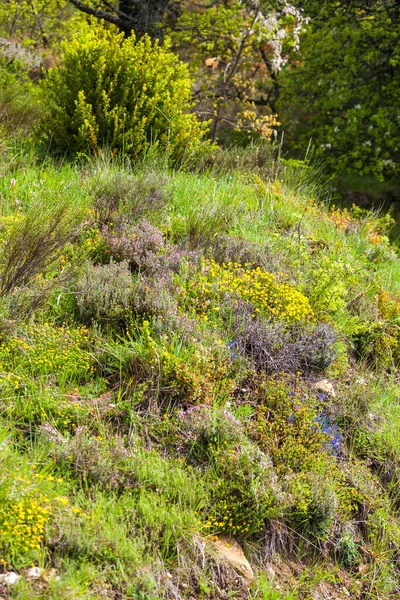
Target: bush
117,192
165,373
103,293
287,424
33,241
229,248
122,93
106,462
144,247
261,289
244,491
139,244
275,347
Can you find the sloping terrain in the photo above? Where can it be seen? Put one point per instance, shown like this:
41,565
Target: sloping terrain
191,360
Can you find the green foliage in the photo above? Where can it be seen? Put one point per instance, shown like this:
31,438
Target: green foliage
342,91
45,350
120,93
287,425
244,491
240,47
167,429
347,549
19,105
40,25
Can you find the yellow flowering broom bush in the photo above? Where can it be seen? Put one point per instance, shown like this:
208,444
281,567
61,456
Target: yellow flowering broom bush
269,296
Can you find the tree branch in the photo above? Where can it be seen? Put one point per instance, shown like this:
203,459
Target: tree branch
124,24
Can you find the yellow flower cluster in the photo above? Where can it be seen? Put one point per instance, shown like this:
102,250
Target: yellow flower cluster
25,511
227,523
8,223
10,381
262,289
22,523
47,349
93,242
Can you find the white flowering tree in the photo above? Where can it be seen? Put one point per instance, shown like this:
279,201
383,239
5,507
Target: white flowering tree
343,90
235,50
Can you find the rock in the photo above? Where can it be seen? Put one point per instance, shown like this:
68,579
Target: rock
324,386
230,551
10,578
34,573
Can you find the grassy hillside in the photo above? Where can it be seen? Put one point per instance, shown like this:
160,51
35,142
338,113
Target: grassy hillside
190,355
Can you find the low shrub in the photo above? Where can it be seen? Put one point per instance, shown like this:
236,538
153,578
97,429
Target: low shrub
275,347
261,289
96,459
31,242
103,295
231,249
153,297
168,372
330,284
347,548
143,246
119,92
315,347
378,341
47,350
244,491
139,244
287,425
116,193
198,432
314,505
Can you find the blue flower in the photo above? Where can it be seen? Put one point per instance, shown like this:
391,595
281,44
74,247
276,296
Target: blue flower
231,345
330,429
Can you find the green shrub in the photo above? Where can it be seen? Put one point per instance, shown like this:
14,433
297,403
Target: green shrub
32,242
244,490
43,350
122,93
288,424
102,294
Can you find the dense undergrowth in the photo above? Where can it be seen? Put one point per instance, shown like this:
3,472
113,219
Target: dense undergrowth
189,354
